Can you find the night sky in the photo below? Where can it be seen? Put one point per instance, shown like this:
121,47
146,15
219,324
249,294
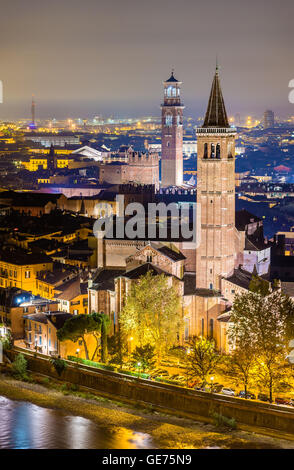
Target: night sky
82,58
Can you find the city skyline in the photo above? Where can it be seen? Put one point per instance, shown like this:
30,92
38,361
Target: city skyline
72,75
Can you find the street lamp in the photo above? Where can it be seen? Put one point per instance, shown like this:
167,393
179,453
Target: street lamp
211,383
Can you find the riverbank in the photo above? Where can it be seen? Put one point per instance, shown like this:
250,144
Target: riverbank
167,432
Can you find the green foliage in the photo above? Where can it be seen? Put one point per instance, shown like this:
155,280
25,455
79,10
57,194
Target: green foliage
98,365
239,365
117,349
68,387
145,356
152,313
77,327
201,359
104,322
107,367
220,421
259,286
45,381
19,366
260,333
59,365
7,341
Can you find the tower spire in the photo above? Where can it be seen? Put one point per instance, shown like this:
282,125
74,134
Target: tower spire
33,109
216,115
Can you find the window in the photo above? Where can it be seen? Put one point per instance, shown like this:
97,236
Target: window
211,328
170,91
217,150
168,120
212,151
211,285
179,120
40,340
202,327
205,151
27,274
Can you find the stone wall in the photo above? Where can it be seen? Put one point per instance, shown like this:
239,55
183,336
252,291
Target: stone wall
173,398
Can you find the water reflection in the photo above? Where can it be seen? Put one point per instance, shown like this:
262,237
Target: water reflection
27,426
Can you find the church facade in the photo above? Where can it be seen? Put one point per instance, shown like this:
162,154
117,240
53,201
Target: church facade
231,247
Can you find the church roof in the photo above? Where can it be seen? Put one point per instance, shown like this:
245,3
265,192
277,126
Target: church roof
143,269
216,115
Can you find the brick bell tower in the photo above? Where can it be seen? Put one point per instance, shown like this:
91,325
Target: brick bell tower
215,256
172,134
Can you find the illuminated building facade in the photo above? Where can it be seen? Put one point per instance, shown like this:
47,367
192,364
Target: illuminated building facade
215,256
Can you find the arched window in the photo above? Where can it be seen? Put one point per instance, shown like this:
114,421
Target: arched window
179,120
202,327
205,151
230,155
217,150
212,151
168,120
211,328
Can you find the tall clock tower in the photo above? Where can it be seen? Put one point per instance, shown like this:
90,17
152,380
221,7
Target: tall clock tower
215,256
172,134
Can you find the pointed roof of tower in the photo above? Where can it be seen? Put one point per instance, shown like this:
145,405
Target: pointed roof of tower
172,78
216,115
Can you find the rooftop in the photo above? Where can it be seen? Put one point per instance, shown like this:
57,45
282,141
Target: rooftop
144,269
244,218
216,115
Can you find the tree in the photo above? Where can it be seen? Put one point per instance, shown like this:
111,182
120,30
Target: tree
59,365
19,366
7,341
117,349
259,286
104,337
104,322
239,366
201,359
76,328
144,355
262,324
270,371
152,313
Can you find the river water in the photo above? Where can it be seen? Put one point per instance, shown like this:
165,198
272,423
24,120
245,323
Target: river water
24,425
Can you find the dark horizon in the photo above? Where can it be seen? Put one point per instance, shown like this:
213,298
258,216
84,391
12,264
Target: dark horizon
111,57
